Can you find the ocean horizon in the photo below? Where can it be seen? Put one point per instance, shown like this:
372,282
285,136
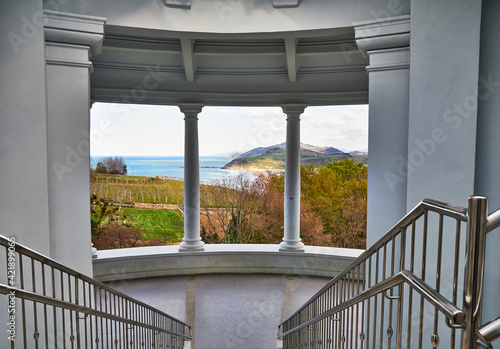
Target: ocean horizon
173,166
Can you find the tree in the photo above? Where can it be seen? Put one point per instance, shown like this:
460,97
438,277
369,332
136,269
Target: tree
117,235
337,194
112,165
229,207
271,216
100,168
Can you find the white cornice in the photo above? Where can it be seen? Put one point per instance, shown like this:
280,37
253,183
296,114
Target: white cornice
162,97
186,4
384,33
69,28
230,71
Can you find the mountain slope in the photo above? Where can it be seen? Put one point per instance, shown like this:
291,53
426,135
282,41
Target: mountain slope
273,157
303,147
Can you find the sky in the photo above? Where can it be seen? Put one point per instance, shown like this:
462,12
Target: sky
141,130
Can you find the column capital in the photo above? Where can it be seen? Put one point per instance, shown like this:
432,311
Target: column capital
191,109
386,41
293,109
71,39
384,33
74,29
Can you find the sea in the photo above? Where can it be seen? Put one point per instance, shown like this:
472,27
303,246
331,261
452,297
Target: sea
173,166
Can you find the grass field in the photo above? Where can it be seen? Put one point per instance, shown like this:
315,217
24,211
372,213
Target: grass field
158,224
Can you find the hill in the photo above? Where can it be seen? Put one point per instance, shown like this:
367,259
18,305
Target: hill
303,146
273,157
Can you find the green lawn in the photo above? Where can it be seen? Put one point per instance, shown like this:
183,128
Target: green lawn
158,224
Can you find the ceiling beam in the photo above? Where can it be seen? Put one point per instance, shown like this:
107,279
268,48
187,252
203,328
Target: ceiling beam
291,58
188,58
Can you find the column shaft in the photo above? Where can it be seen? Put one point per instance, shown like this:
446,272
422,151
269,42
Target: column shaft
68,68
192,239
291,239
386,43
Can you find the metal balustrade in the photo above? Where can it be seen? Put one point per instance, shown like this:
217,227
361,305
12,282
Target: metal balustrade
419,285
48,305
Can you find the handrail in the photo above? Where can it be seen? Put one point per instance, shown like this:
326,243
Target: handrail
455,211
64,294
448,309
28,295
489,332
53,263
359,299
439,207
493,221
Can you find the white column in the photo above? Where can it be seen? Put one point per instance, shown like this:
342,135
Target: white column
291,239
70,42
192,239
387,44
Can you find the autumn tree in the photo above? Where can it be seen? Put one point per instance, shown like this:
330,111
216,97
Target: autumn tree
337,194
332,212
229,206
271,216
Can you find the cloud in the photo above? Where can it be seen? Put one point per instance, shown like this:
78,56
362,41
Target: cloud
344,127
159,130
260,112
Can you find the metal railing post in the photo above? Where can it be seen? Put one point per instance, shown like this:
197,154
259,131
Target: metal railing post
474,268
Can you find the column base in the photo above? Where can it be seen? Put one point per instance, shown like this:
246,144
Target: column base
291,246
192,246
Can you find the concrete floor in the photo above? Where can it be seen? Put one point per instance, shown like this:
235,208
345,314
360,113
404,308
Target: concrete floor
227,311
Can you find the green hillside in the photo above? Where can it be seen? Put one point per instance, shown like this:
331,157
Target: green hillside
274,159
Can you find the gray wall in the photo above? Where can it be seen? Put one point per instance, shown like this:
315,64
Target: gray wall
24,211
443,78
487,181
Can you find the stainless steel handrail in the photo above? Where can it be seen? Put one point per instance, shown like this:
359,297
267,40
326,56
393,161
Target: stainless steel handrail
456,212
489,332
53,263
398,261
493,221
448,309
27,295
52,299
